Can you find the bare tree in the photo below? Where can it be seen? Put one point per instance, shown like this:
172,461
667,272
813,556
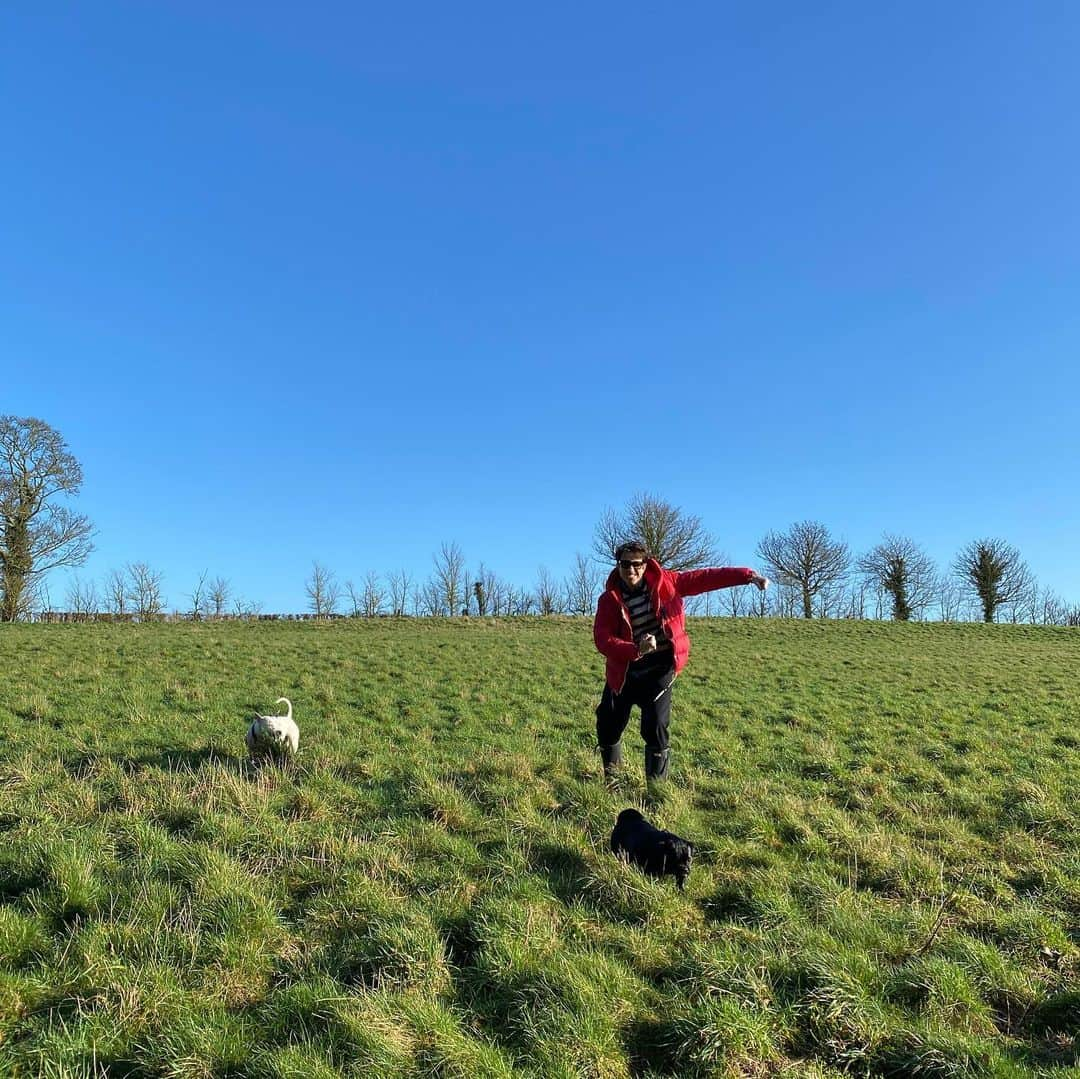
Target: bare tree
400,584
760,601
356,602
734,599
583,586
1051,608
144,593
36,534
676,539
218,596
949,598
993,572
900,567
450,577
198,597
519,601
490,594
806,557
547,592
373,595
431,599
416,599
855,603
115,592
322,591
832,600
246,608
41,598
82,597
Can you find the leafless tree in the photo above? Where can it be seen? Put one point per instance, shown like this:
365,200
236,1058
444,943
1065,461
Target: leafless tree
373,595
761,601
855,604
322,591
36,533
949,598
41,598
198,597
432,599
676,539
449,577
1050,608
734,600
806,557
993,572
486,595
144,594
218,596
82,597
785,601
115,589
583,586
500,595
547,592
520,601
356,603
832,600
900,567
246,608
400,583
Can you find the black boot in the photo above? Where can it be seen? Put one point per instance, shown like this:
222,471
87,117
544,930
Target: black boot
656,763
612,758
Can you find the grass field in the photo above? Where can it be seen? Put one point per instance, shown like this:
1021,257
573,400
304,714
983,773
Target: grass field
888,880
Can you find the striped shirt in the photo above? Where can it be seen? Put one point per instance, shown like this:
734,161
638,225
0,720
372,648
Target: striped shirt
643,620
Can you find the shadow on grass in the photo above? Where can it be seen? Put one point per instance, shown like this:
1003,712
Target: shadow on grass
733,905
16,882
461,943
650,1048
566,871
84,765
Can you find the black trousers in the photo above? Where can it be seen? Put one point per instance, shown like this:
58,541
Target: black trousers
651,692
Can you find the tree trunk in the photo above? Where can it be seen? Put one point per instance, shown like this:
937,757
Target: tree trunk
17,564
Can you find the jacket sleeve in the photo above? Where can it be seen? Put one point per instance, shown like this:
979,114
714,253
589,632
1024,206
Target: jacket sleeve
607,643
695,581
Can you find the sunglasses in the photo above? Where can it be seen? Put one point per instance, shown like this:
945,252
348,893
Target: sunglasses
627,563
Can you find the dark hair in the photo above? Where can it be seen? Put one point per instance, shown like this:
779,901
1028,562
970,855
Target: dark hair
632,546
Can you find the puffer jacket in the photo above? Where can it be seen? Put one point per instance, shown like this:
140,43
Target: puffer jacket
611,627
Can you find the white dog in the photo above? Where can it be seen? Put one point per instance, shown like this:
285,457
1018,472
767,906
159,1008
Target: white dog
273,736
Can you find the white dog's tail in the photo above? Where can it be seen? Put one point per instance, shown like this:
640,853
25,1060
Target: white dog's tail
285,700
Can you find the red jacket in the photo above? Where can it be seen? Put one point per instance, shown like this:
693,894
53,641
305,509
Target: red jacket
611,627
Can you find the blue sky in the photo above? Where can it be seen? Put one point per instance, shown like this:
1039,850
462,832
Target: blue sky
344,282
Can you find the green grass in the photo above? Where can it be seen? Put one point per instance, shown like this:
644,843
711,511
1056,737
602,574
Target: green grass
888,880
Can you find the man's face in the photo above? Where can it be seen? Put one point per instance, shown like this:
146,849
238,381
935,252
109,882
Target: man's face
632,568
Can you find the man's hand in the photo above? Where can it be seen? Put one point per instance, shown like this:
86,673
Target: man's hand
646,645
761,582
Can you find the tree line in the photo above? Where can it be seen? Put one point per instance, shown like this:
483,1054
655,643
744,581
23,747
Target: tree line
816,575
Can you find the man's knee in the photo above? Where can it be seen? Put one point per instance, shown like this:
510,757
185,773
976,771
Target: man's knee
612,715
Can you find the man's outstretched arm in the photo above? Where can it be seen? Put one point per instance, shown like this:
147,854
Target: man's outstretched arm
695,581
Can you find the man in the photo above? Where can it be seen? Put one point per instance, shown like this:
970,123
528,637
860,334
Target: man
640,628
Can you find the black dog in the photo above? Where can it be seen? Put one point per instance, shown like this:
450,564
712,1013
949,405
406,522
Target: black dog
655,852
